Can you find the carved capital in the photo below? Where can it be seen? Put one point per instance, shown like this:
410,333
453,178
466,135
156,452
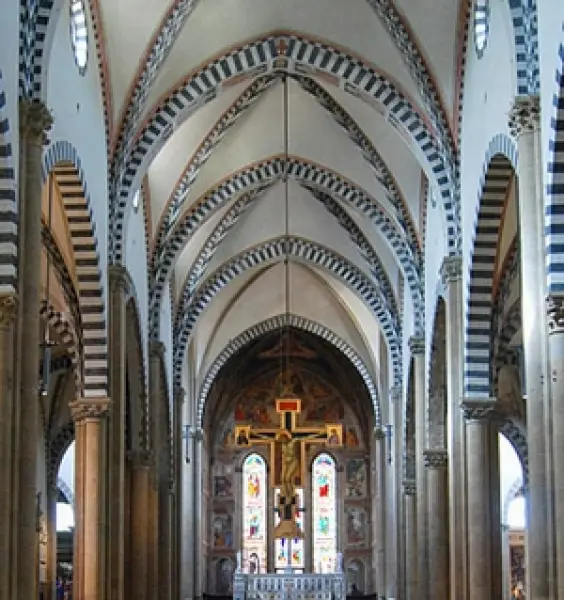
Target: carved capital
451,269
179,394
198,434
555,314
141,458
35,121
435,459
524,116
118,278
396,394
409,487
8,310
156,349
91,409
477,409
416,345
379,433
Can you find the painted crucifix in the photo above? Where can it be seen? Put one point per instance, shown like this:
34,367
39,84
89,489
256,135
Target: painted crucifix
287,454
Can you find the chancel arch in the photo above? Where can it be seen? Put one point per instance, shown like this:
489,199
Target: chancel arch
332,429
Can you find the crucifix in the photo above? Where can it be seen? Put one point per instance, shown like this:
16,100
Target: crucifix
287,453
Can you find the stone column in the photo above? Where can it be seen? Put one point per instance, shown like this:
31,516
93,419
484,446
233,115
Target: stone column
35,121
478,446
178,460
188,520
89,502
141,539
8,412
119,281
198,504
556,350
51,504
524,124
451,274
411,555
379,500
166,489
505,563
437,494
417,348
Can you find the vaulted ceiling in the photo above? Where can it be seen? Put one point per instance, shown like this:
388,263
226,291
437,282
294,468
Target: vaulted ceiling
196,102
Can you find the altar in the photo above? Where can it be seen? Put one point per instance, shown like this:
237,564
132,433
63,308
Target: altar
289,586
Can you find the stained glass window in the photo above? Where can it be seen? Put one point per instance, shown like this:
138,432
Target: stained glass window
324,514
254,513
283,549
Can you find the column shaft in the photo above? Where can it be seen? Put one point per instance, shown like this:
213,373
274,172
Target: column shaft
34,121
506,563
115,555
478,438
524,123
410,512
198,530
164,558
379,500
8,309
88,414
437,494
417,347
451,272
188,520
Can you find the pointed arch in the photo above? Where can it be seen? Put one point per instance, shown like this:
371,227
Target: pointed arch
8,205
272,324
62,160
498,169
254,513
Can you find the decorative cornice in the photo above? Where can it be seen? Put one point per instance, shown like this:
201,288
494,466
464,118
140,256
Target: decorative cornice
451,269
8,309
476,409
156,349
118,278
416,345
524,116
435,458
35,121
92,409
555,314
409,487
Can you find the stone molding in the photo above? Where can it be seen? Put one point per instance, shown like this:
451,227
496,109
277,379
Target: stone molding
118,278
35,121
451,269
555,314
435,458
8,310
478,409
156,349
416,345
524,116
89,409
409,487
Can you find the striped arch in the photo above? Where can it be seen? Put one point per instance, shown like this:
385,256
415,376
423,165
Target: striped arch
265,173
8,205
516,434
555,188
62,160
502,354
242,204
247,98
65,490
517,490
525,26
58,323
56,451
272,324
498,169
257,57
303,250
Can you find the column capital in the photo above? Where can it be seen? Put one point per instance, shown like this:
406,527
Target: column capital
379,433
141,458
89,409
119,277
435,458
416,345
396,393
524,115
555,314
451,269
8,309
35,121
179,394
198,434
476,409
409,487
156,349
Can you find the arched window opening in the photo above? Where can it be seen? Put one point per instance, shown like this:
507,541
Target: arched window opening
324,514
290,554
254,513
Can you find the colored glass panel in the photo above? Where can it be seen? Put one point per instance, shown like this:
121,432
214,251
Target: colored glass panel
254,514
324,514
